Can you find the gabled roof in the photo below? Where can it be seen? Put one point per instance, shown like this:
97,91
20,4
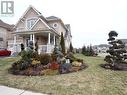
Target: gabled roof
68,31
52,18
6,26
42,22
43,19
67,26
30,7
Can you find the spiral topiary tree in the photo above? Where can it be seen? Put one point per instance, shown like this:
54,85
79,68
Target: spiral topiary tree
116,50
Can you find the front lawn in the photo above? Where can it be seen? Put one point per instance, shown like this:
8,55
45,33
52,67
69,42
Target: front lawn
91,81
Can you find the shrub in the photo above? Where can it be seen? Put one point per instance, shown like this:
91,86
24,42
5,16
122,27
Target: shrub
22,47
25,65
54,66
88,51
25,61
71,57
44,58
35,55
79,60
53,57
21,65
116,50
62,43
34,62
25,55
84,50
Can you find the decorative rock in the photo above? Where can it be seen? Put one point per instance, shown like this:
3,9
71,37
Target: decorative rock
65,68
107,67
75,63
67,60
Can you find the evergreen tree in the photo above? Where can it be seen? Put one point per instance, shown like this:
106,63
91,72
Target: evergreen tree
36,46
91,51
88,51
71,48
62,43
116,50
84,50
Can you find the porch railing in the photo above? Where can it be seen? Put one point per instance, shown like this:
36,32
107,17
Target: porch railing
46,48
42,48
14,48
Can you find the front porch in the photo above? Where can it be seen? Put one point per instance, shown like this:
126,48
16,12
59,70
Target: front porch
46,40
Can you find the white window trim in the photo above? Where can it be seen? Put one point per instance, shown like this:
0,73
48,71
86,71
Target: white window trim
27,12
54,26
34,24
42,21
30,19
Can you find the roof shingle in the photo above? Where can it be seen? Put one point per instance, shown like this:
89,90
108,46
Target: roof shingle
6,26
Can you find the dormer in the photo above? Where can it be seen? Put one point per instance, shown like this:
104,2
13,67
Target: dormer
30,22
28,19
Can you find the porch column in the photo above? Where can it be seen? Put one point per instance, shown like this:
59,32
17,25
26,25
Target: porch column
54,39
49,38
14,44
31,37
14,39
34,41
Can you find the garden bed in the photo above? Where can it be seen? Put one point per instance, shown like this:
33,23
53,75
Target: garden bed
120,66
49,69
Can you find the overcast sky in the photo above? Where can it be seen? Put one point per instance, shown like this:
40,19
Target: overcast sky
90,20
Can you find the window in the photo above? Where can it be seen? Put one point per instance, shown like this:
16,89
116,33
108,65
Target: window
30,23
55,25
1,39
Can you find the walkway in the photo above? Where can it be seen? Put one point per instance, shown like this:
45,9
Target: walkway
4,90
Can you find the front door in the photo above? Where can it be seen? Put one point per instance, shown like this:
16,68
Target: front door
27,41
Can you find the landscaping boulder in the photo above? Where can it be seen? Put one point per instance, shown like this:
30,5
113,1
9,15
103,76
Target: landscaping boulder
65,68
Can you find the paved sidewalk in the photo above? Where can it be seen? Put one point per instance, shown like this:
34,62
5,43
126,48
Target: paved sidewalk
4,90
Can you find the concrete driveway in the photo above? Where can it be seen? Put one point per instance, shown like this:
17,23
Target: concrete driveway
4,90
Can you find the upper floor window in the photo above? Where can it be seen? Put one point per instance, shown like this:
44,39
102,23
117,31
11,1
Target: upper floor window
1,39
31,22
55,25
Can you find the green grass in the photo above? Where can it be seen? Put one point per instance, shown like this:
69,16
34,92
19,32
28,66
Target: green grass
92,81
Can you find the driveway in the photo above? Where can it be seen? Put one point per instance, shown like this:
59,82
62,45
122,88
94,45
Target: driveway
4,90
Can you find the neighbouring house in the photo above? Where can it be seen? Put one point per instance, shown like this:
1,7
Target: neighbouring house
102,48
125,42
5,34
46,31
